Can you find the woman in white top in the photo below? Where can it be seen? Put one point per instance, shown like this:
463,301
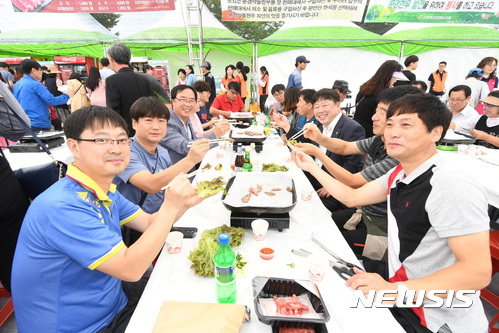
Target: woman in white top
182,77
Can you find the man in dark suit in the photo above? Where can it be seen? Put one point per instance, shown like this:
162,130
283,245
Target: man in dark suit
333,123
124,87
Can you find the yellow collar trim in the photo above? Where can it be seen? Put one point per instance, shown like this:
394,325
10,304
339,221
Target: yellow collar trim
84,180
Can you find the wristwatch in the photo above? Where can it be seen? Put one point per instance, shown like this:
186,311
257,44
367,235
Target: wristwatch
402,289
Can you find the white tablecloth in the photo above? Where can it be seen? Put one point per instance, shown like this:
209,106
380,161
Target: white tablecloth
172,278
22,160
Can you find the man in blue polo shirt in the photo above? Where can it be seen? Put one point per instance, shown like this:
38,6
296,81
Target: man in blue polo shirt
150,166
35,98
294,79
72,271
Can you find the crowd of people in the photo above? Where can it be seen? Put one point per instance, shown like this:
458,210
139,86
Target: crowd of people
378,173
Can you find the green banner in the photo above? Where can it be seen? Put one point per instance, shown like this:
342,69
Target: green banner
434,11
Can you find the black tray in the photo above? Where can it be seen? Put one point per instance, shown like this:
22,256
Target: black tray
247,140
260,210
267,287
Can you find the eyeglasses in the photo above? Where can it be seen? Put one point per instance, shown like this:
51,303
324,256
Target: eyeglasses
280,93
234,92
186,101
103,142
488,105
451,100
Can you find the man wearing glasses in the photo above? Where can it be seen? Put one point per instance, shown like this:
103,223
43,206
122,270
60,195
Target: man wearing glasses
458,103
180,132
278,93
229,102
72,272
486,127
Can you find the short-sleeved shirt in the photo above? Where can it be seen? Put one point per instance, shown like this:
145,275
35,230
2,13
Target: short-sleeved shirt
223,103
140,159
377,164
294,79
436,201
7,76
69,230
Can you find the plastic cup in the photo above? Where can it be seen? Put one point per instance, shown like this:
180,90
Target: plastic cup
222,145
259,228
317,267
220,153
306,193
174,242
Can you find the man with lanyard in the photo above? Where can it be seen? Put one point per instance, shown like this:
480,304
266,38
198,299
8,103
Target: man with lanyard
72,272
150,167
208,78
364,229
437,80
229,102
438,227
35,98
180,132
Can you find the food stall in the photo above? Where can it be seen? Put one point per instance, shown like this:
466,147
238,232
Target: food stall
80,65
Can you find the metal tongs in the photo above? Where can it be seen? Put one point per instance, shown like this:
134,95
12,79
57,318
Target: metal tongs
349,266
343,271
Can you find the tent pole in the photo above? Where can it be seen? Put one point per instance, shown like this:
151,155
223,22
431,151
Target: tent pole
402,50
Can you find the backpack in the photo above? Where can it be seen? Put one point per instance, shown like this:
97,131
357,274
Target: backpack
10,127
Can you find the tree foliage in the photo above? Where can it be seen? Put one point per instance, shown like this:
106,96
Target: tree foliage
250,30
108,20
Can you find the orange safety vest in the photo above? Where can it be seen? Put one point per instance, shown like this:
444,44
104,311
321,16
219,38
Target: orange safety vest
439,83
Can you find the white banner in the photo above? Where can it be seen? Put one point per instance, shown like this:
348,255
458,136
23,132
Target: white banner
282,10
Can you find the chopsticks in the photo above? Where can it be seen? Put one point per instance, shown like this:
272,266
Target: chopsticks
233,121
211,141
192,174
298,134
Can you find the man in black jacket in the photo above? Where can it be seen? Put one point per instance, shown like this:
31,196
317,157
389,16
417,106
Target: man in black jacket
124,87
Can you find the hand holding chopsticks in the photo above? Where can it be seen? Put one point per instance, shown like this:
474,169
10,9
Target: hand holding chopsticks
192,174
299,133
211,141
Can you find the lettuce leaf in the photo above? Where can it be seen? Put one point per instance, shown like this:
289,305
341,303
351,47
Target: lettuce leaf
211,187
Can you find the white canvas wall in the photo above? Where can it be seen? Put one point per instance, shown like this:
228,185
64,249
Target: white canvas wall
356,65
326,65
459,62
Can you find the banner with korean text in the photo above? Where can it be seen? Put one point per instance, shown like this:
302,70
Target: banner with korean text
282,10
434,11
91,6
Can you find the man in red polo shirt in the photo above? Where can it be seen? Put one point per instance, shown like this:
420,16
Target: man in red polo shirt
229,102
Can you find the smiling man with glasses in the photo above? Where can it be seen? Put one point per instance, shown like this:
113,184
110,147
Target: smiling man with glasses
462,112
229,102
70,256
180,131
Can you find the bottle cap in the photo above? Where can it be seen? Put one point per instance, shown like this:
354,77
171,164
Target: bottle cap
224,239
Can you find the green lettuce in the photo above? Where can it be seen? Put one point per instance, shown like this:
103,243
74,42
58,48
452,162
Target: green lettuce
211,187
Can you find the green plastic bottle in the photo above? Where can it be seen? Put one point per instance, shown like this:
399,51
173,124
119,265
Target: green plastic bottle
247,167
225,271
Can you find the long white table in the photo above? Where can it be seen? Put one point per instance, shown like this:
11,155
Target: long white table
22,160
485,169
172,278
